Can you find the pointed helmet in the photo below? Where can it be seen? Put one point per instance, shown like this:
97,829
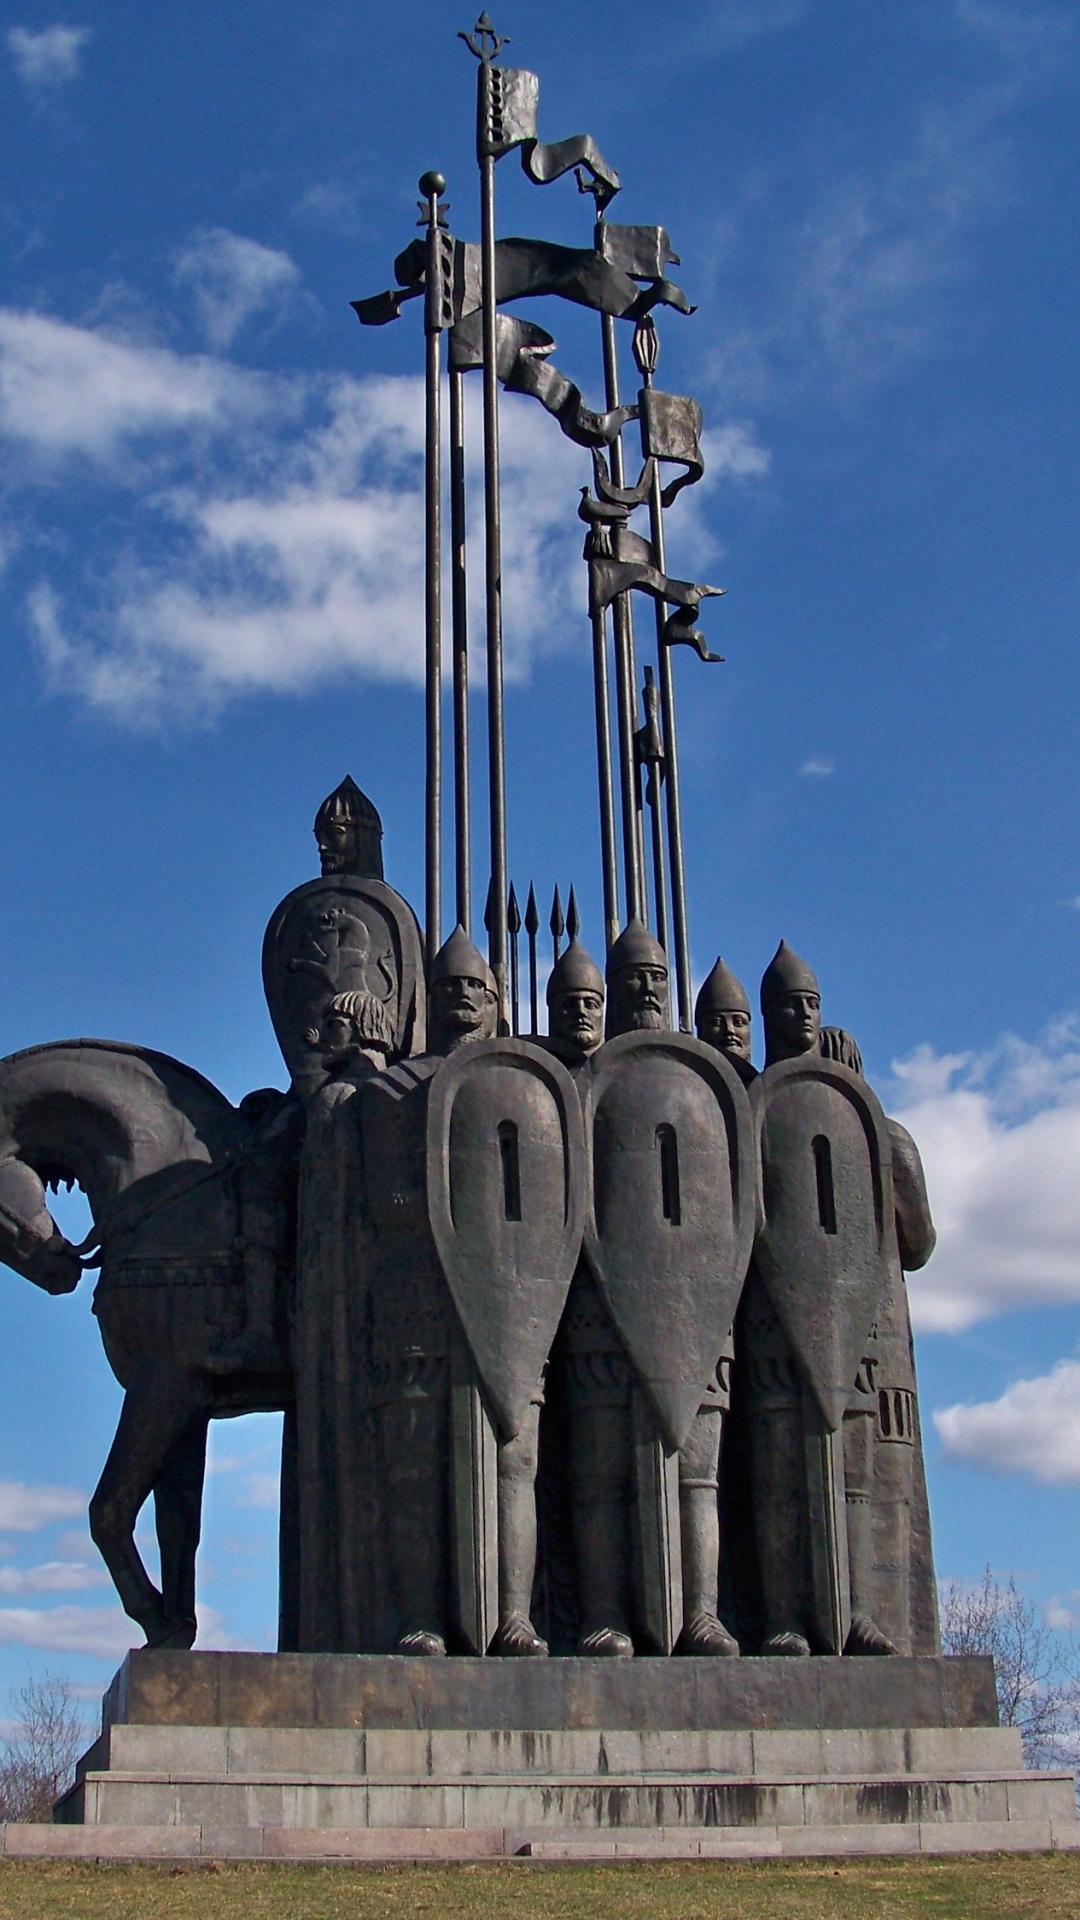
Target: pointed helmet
575,971
635,947
458,959
786,973
720,993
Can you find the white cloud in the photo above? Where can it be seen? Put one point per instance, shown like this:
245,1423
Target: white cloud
1000,1138
103,1631
67,390
47,59
24,1509
721,25
817,768
232,278
274,535
54,1576
1033,1428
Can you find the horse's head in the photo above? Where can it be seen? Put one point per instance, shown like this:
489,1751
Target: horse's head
30,1240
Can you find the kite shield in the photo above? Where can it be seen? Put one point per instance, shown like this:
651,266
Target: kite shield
506,1188
828,1238
673,1209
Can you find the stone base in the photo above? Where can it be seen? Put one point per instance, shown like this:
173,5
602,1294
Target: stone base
318,1756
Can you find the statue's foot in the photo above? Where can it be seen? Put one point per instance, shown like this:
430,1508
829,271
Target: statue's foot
254,1353
606,1643
517,1639
705,1633
792,1645
421,1643
173,1633
864,1637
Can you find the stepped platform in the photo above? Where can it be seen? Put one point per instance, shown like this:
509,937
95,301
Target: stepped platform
307,1756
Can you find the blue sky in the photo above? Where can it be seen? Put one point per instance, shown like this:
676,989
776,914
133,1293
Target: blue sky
210,610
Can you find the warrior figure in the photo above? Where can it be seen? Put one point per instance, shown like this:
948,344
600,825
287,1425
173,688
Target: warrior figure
418,1348
791,1007
722,1017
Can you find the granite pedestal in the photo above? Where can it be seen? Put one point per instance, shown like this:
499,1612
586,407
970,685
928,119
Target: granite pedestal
307,1755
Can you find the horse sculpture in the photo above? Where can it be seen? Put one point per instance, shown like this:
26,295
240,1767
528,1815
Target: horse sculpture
184,1190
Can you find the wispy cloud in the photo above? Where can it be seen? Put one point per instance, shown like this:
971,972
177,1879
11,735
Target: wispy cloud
103,1631
49,58
231,278
273,532
54,1576
999,1134
721,25
1033,1428
24,1509
817,767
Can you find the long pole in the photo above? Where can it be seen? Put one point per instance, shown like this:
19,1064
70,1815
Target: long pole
625,674
646,348
431,186
493,590
460,626
608,857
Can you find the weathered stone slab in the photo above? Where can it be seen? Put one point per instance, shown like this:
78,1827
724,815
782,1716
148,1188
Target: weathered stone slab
345,1690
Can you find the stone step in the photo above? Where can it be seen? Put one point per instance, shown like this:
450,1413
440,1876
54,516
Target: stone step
573,1802
392,1754
388,1844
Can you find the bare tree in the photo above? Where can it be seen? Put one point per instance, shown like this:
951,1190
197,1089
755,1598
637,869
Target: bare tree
1037,1668
42,1747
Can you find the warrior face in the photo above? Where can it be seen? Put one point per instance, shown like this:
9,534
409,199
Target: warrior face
794,1024
338,845
727,1029
461,1008
639,998
576,1019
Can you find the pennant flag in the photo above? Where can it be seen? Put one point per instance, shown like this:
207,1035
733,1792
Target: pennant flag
507,117
526,269
523,366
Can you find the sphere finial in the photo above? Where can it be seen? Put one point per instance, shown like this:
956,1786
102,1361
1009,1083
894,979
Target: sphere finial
432,183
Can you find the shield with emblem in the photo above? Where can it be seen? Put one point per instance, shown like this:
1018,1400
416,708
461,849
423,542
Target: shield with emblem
506,1186
673,1209
342,933
828,1239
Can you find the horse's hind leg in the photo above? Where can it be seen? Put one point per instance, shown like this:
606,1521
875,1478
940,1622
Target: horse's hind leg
178,1496
160,1405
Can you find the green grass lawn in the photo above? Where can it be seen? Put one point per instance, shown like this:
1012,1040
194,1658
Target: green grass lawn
998,1887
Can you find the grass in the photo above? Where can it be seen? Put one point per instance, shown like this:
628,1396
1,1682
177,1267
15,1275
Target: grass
989,1887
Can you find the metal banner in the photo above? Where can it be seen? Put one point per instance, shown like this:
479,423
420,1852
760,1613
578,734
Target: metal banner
828,1237
342,934
506,1187
673,1209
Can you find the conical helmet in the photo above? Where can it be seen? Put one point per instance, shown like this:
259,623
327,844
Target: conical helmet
786,973
635,947
720,993
458,959
575,971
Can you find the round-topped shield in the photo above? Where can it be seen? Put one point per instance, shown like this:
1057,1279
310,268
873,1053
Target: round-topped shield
828,1239
506,1193
673,1208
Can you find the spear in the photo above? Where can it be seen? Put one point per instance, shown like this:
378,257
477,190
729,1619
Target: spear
573,917
605,777
432,185
646,355
486,44
532,928
513,924
557,924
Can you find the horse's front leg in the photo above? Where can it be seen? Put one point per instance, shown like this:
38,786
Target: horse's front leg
178,1497
161,1403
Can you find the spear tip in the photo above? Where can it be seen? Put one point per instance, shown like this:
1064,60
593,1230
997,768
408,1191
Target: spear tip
532,912
557,923
573,918
513,914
